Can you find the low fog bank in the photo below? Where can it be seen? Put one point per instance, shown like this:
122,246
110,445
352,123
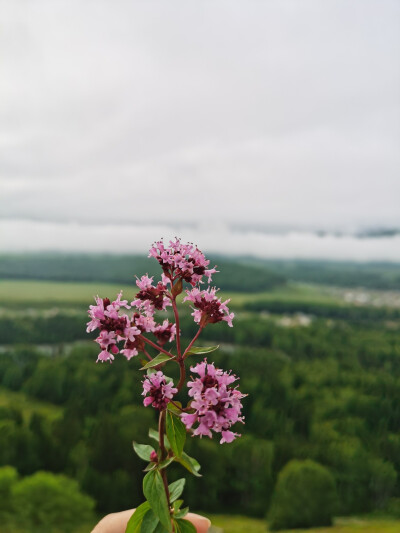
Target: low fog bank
30,236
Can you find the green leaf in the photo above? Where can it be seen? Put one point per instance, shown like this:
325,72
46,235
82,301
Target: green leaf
176,489
161,529
200,350
150,466
175,407
135,521
153,489
189,463
160,358
177,288
184,526
165,463
153,434
183,512
143,450
149,523
177,505
176,432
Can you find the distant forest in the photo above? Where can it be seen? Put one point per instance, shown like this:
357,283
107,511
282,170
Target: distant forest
242,274
121,269
328,392
383,276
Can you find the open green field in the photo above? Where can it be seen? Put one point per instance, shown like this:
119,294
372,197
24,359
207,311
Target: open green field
43,293
66,294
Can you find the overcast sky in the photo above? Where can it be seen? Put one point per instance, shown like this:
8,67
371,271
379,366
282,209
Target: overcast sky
198,117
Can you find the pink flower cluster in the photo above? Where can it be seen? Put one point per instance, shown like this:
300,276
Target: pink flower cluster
182,261
115,327
208,308
157,390
217,405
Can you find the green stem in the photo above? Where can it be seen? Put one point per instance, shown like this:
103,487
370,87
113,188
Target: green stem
161,432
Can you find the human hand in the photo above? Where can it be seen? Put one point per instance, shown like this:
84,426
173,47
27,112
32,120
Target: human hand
117,522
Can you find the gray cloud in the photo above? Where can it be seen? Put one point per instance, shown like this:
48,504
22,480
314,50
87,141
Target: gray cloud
283,114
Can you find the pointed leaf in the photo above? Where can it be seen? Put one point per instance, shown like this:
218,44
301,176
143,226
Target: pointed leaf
189,463
200,350
165,463
153,489
135,521
176,489
184,526
175,407
149,523
161,529
153,434
183,512
176,432
160,358
177,288
143,450
177,505
150,466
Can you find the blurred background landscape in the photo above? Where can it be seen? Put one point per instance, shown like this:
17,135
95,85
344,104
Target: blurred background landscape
316,345
267,133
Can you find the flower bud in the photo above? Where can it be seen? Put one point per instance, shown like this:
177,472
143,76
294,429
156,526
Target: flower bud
154,457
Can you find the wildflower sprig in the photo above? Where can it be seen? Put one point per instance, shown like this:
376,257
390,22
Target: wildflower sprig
214,400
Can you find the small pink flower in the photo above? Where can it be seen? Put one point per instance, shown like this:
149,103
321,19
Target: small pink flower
108,345
228,436
157,390
96,313
144,282
106,338
120,303
145,322
104,355
165,332
129,352
130,332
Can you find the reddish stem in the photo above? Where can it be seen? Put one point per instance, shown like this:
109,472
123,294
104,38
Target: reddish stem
147,355
192,342
182,374
157,347
178,331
